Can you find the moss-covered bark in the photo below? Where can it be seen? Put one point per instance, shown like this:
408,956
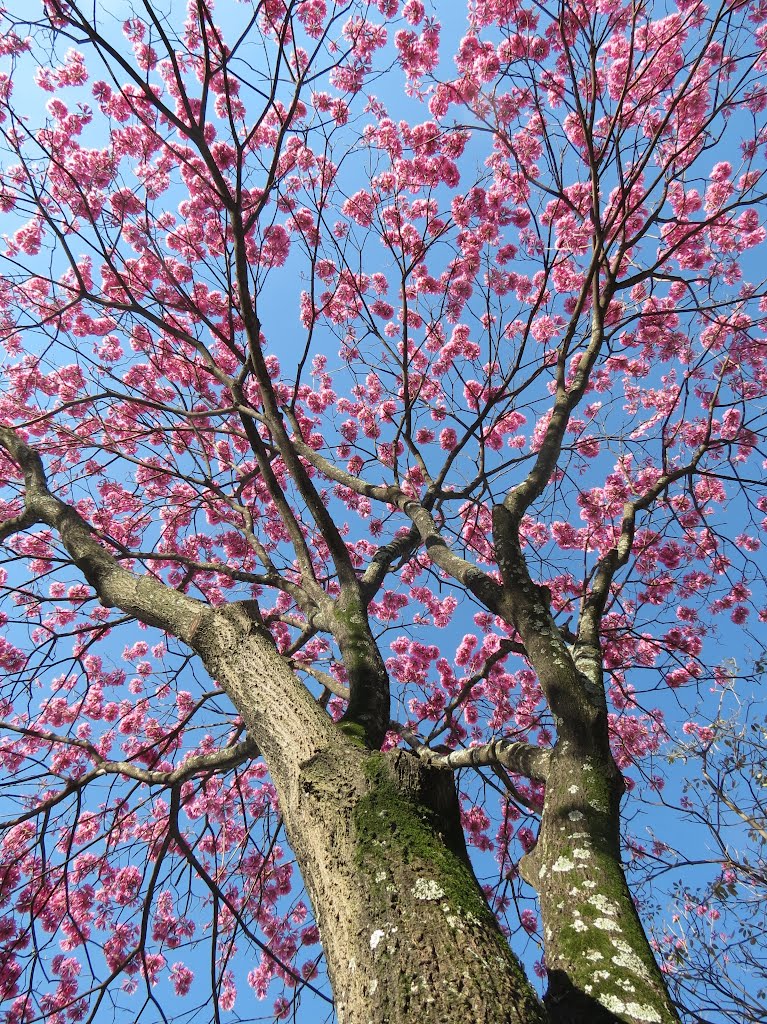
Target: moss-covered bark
600,966
368,705
418,941
601,969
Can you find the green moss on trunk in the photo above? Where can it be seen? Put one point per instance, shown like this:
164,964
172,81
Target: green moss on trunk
406,842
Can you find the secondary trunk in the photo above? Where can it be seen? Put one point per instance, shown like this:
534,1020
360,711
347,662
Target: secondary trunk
600,967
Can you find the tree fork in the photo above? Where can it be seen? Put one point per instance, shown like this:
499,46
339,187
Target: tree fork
406,929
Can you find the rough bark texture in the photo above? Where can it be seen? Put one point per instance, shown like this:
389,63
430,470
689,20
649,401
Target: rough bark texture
405,927
406,930
600,966
429,947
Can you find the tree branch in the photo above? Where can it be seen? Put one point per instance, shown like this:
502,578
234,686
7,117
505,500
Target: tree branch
142,596
216,761
519,758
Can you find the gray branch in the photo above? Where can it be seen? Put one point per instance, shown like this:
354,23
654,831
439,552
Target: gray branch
520,758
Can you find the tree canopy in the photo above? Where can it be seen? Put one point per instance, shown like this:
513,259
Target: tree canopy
383,406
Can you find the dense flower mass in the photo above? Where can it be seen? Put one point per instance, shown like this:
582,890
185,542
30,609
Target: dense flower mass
297,303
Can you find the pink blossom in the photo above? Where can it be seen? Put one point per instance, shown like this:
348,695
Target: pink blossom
529,921
181,977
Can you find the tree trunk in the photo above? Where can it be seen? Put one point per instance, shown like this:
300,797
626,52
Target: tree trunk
600,967
407,933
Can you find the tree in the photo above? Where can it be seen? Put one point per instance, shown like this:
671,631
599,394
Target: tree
714,943
303,370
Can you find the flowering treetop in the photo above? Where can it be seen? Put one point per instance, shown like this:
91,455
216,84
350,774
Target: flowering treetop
301,315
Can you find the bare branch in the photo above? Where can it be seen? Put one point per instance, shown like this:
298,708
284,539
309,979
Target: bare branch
519,758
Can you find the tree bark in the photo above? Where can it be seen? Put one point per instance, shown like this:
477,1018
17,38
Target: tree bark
600,966
407,933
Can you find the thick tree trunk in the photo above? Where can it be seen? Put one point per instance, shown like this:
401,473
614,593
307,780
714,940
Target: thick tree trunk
407,932
406,929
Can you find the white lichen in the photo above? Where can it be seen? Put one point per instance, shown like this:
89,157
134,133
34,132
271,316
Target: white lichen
606,924
637,1010
427,889
603,905
575,815
578,925
376,937
563,864
627,958
580,854
613,1003
644,1012
625,984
